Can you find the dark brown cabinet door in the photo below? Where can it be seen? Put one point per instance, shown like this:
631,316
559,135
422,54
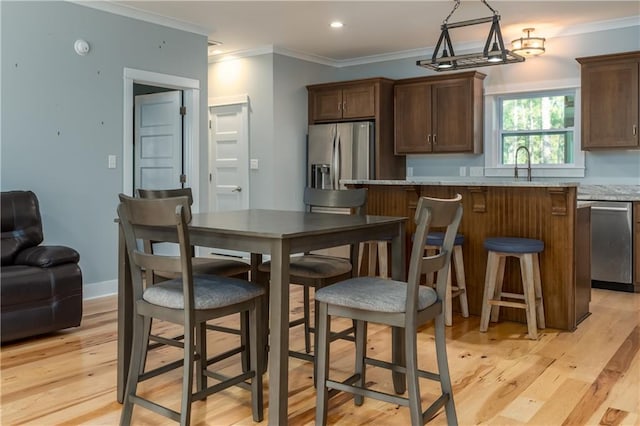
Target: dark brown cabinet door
452,116
412,118
359,101
327,104
610,100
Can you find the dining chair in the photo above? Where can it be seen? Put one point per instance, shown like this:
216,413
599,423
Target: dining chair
316,270
401,305
201,265
190,300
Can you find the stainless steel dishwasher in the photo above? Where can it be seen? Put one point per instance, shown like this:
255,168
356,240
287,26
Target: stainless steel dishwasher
611,245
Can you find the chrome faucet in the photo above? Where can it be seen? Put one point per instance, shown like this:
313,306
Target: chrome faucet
528,162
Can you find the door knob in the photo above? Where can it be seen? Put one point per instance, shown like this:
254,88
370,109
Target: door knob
237,189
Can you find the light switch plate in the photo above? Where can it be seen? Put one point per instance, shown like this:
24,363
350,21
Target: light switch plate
253,164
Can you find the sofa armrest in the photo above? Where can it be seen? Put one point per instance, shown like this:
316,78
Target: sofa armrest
47,256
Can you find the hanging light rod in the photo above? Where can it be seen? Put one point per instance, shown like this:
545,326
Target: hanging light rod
494,52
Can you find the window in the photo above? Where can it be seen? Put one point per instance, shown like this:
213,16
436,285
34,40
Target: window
545,122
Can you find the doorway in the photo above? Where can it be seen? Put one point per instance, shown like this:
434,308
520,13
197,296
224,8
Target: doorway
190,133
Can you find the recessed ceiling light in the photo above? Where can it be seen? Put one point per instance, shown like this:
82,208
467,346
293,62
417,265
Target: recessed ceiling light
337,24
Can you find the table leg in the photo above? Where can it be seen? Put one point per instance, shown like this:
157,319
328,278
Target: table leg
125,315
397,334
279,333
262,279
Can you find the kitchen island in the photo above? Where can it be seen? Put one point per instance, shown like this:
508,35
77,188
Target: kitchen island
542,210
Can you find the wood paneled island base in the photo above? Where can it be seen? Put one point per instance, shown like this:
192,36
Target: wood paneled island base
529,210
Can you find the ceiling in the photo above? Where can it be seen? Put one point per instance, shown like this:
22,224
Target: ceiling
374,28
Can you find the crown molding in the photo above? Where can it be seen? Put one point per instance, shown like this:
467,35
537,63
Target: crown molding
142,15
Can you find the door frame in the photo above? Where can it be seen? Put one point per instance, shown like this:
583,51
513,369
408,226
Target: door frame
191,124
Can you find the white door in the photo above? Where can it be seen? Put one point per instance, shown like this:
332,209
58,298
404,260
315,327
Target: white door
158,141
229,157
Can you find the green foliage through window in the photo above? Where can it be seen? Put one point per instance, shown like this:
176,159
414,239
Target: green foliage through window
543,122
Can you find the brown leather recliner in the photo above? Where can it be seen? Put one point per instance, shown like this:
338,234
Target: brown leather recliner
40,286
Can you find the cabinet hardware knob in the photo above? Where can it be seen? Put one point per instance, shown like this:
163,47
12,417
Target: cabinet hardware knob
339,106
635,130
434,140
429,138
344,105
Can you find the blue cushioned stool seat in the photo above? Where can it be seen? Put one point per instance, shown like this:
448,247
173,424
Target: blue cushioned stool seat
437,239
514,245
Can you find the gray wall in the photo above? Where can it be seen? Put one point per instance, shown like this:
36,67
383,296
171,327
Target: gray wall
62,115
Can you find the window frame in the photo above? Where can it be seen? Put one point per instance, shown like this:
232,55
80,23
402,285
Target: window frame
493,133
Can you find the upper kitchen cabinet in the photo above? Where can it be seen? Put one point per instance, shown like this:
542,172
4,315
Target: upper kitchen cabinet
610,99
440,114
356,100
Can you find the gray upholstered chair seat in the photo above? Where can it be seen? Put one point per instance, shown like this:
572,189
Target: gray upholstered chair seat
210,292
205,265
374,294
315,266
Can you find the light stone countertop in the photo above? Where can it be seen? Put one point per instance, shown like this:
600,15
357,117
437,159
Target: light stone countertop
586,192
457,182
609,192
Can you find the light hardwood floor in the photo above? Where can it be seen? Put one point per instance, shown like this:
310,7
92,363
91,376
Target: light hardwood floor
590,376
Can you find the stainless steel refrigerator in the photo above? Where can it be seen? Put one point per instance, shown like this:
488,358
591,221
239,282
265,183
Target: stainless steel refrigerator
337,151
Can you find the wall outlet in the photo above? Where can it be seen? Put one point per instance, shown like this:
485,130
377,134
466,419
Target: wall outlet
409,171
253,164
463,171
111,161
476,171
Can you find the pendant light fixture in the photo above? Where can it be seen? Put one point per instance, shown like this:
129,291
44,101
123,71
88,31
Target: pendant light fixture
528,46
494,52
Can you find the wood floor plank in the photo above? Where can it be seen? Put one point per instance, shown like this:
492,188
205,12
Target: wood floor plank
606,380
500,377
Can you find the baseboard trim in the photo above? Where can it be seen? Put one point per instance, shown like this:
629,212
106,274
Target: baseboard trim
99,289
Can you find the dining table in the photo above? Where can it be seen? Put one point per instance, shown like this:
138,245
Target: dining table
278,234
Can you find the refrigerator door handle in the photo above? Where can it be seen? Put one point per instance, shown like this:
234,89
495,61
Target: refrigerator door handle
334,160
338,162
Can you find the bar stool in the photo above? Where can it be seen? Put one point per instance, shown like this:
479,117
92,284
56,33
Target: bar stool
526,250
434,243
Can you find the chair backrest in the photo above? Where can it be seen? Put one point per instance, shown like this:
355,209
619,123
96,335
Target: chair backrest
432,213
161,220
334,198
166,193
154,194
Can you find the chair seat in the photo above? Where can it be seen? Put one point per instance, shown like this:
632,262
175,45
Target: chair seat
514,245
210,266
210,292
374,294
314,266
437,239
